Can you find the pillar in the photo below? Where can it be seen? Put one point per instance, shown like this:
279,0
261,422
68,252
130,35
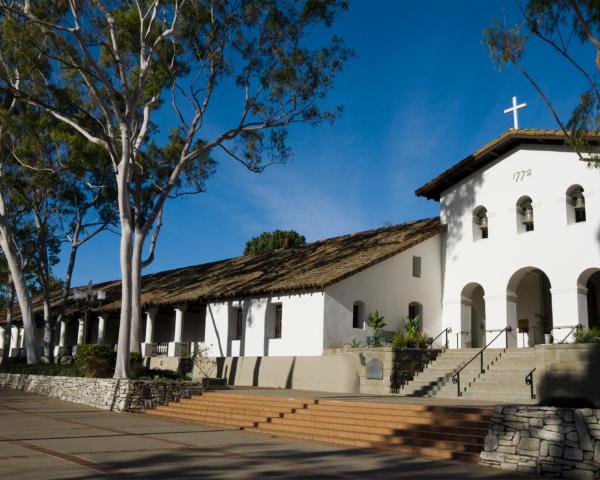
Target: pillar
177,348
500,312
22,337
14,341
61,350
81,331
569,308
101,329
149,347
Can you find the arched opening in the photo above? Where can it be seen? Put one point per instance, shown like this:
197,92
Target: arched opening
472,316
415,309
588,286
358,315
480,223
525,214
575,204
529,307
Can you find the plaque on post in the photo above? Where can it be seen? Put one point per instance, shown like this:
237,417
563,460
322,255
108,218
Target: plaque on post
374,369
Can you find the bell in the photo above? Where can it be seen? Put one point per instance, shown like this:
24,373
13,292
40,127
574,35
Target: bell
579,202
528,216
483,223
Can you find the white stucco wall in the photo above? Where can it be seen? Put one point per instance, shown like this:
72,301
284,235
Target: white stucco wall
562,251
389,287
301,331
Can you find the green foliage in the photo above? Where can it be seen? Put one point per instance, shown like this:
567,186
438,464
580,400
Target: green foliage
95,360
588,336
355,343
412,340
377,323
41,369
413,325
158,374
268,241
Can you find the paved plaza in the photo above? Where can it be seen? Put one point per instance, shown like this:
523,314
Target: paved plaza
43,438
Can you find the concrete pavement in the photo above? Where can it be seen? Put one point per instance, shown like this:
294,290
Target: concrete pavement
43,438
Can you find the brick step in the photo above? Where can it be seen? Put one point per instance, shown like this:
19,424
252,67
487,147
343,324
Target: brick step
347,442
240,414
471,457
403,430
251,409
221,422
208,399
208,413
474,428
222,396
466,413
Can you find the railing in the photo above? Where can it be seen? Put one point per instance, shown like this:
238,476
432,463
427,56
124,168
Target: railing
162,348
529,381
446,331
573,328
456,376
462,332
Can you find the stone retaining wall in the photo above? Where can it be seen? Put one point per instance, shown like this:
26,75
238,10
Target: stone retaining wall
549,441
103,393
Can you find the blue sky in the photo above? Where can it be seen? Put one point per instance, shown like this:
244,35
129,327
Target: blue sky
421,95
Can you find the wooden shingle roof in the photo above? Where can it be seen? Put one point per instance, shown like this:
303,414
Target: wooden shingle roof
490,152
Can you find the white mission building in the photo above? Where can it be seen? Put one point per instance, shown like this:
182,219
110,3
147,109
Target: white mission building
517,243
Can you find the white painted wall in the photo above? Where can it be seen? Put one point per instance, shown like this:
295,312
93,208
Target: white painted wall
389,287
301,333
563,251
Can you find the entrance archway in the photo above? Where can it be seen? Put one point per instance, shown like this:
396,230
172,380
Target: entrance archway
589,283
472,315
529,306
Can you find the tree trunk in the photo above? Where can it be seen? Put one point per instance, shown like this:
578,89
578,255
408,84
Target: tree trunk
16,271
8,325
122,366
136,290
49,325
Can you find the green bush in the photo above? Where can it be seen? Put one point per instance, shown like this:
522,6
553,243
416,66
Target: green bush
41,369
96,360
410,340
158,374
588,336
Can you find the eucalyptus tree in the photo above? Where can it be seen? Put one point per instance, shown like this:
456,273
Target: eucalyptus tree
563,26
127,66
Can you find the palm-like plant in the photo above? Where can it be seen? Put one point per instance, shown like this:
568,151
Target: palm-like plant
377,323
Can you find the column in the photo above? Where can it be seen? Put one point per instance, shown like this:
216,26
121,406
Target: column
14,341
22,337
61,350
452,317
81,331
500,312
149,347
101,330
177,348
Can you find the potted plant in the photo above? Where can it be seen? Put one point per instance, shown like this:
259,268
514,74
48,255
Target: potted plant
377,323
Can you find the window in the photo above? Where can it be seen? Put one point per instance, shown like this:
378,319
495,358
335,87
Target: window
239,323
575,205
358,315
480,223
416,267
525,215
278,318
415,309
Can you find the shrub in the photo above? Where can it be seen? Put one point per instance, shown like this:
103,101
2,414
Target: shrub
96,360
158,374
588,336
410,340
41,369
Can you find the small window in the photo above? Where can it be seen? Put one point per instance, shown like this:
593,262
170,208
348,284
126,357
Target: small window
278,320
358,318
416,267
480,223
525,215
415,309
239,323
575,205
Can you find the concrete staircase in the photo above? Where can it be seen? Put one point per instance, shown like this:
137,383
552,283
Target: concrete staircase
442,432
503,380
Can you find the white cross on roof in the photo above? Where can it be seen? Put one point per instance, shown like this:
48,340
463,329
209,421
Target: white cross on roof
514,109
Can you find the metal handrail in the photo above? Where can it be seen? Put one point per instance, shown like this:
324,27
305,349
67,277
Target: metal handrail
446,331
529,381
456,376
462,332
572,327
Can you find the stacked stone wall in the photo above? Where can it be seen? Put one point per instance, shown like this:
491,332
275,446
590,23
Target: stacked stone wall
103,393
549,441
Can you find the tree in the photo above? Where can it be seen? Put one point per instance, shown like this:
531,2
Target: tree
267,241
560,25
113,64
